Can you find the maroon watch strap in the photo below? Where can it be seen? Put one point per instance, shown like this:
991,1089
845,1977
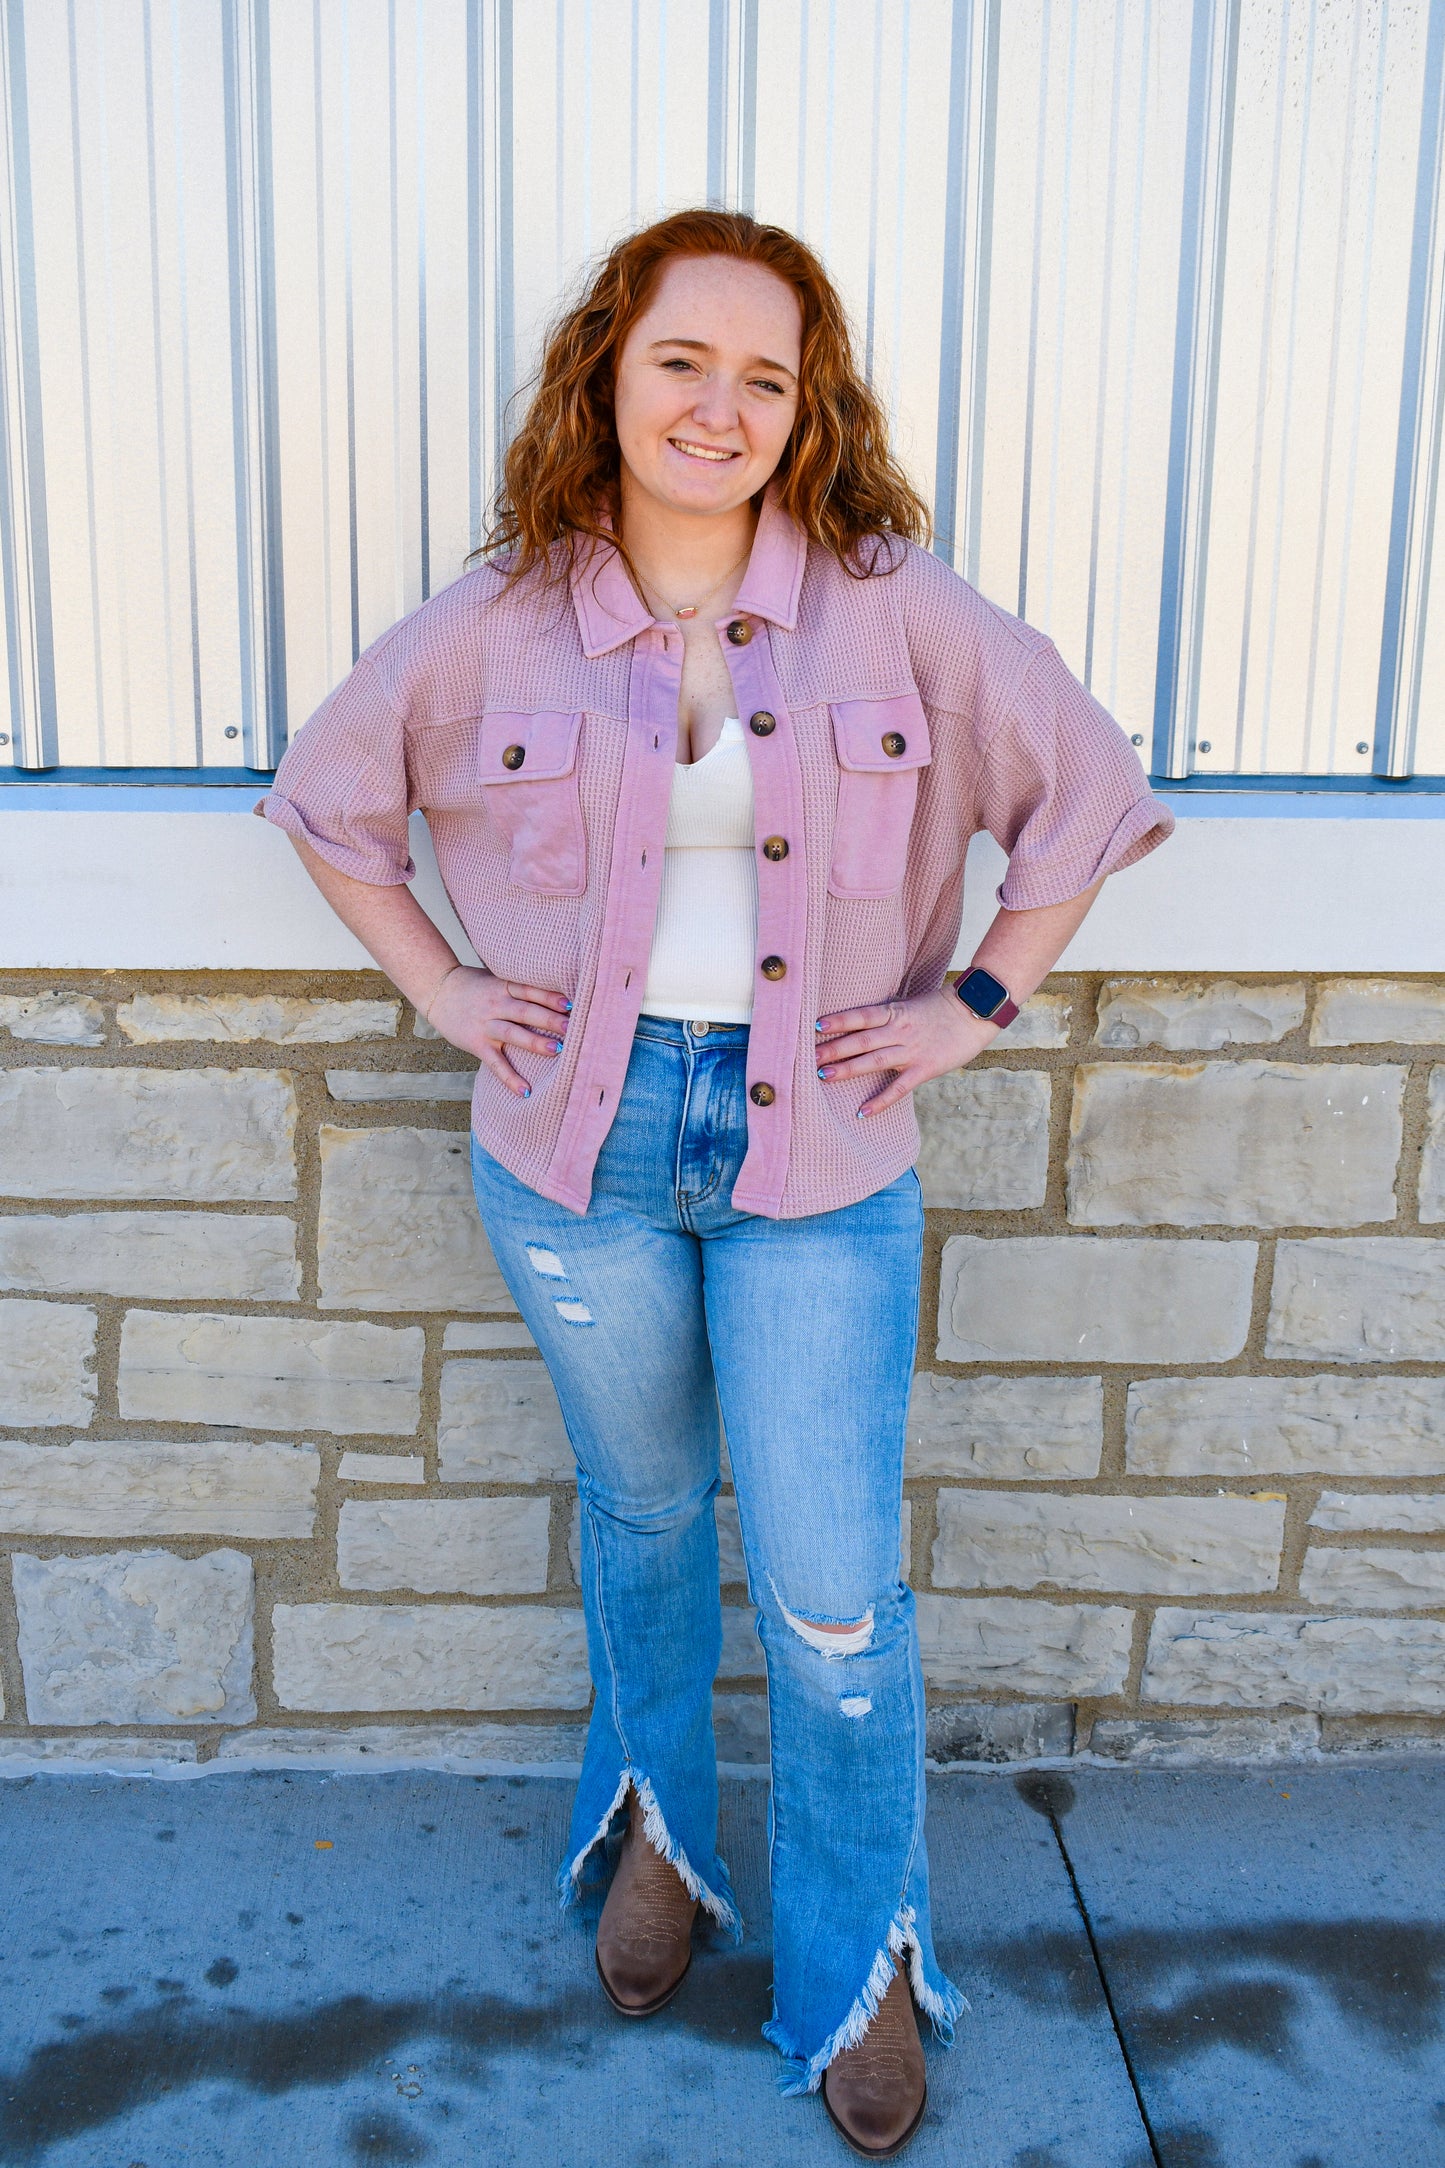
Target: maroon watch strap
1007,1009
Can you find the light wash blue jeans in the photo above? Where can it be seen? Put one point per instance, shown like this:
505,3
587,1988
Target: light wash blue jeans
653,1307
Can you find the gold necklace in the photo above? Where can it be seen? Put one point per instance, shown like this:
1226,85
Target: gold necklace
690,609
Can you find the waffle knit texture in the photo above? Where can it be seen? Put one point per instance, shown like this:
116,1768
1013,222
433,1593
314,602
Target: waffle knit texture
908,712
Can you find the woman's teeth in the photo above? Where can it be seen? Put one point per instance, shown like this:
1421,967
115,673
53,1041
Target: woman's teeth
699,451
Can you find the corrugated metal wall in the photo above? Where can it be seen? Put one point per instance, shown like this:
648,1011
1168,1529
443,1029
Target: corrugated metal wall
1154,287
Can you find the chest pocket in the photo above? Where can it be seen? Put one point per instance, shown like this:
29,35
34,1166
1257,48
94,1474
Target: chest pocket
881,745
527,768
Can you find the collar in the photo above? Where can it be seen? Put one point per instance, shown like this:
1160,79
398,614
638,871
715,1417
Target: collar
610,610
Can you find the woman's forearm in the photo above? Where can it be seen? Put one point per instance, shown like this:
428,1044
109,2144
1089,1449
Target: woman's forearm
1022,947
390,925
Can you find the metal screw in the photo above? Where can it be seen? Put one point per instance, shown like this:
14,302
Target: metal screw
232,731
1204,746
1138,738
1362,747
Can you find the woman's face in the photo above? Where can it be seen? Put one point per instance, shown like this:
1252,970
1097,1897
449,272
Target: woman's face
707,384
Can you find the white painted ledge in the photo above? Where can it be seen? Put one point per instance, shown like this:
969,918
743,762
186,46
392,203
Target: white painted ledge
179,879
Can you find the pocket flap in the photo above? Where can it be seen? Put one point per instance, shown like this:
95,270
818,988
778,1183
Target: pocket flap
881,737
518,748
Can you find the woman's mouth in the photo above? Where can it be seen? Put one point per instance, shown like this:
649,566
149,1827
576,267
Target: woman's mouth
715,454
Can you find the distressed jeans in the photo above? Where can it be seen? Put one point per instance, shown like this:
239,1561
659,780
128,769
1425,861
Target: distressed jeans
653,1309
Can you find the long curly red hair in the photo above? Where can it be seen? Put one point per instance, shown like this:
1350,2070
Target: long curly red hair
838,477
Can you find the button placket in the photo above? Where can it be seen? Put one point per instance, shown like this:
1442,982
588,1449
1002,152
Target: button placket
782,909
631,905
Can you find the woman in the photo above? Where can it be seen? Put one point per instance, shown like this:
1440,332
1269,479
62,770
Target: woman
701,745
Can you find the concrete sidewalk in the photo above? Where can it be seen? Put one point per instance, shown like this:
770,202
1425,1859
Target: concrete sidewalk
1202,1970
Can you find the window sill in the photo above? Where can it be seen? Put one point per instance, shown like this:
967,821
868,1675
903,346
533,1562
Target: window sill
164,877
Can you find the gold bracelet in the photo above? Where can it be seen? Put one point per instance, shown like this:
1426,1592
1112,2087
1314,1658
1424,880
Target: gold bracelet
441,982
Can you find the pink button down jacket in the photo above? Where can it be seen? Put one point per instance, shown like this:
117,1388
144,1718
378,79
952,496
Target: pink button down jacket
892,717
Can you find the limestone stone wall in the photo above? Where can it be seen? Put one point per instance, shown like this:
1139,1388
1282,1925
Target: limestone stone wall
282,1476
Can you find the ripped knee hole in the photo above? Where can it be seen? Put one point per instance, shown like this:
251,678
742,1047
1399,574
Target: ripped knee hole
831,1640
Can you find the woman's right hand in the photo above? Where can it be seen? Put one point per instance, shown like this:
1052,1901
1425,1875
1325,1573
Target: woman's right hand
483,1014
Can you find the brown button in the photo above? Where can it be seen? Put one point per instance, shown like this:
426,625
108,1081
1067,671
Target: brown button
514,756
775,847
893,744
740,632
773,967
762,1095
762,725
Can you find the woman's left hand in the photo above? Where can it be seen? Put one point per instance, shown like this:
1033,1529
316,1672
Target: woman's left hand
921,1038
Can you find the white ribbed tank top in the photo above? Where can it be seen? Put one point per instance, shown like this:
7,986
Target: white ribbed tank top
706,933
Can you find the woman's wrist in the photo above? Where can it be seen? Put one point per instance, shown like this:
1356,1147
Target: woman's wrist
424,1008
970,1030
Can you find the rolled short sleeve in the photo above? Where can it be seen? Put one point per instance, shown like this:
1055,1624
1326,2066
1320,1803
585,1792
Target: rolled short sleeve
342,784
1063,790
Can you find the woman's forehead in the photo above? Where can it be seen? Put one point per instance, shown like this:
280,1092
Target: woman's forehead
718,301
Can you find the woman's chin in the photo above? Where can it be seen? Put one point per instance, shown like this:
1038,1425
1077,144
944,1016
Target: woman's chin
688,485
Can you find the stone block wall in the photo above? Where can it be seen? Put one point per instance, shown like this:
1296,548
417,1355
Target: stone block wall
282,1476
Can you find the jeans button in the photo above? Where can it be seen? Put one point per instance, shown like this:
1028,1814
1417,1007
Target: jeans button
698,1028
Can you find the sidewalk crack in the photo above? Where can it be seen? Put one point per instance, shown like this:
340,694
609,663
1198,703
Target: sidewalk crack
1052,1796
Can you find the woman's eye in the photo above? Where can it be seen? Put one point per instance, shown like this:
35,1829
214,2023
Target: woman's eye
762,383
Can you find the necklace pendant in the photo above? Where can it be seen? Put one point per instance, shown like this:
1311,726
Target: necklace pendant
689,611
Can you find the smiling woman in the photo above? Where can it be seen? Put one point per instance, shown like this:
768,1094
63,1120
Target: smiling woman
702,746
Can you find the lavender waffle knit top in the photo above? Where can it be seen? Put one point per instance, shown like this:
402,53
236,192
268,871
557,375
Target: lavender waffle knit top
889,719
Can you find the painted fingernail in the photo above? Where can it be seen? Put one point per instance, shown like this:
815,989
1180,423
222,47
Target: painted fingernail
822,1072
817,1027
526,1091
557,1046
568,1007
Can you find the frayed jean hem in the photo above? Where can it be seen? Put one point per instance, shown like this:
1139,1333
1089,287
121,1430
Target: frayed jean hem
720,1904
942,2006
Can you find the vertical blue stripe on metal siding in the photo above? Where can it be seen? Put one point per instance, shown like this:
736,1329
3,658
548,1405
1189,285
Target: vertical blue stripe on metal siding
1026,488
506,300
873,157
983,284
273,571
950,340
240,435
188,463
348,326
1427,181
39,745
717,101
1191,252
747,189
475,269
1111,211
422,447
634,132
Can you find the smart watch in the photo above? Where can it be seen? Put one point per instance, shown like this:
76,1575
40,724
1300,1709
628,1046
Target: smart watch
988,997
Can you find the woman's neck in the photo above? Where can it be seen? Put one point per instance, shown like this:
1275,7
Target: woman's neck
680,554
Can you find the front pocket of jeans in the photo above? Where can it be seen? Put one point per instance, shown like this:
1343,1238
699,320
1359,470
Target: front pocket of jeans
881,745
529,784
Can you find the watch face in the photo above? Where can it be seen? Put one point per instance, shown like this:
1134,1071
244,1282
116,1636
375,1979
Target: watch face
982,993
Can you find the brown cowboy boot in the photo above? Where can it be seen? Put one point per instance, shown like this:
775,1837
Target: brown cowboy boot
875,2093
644,1937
